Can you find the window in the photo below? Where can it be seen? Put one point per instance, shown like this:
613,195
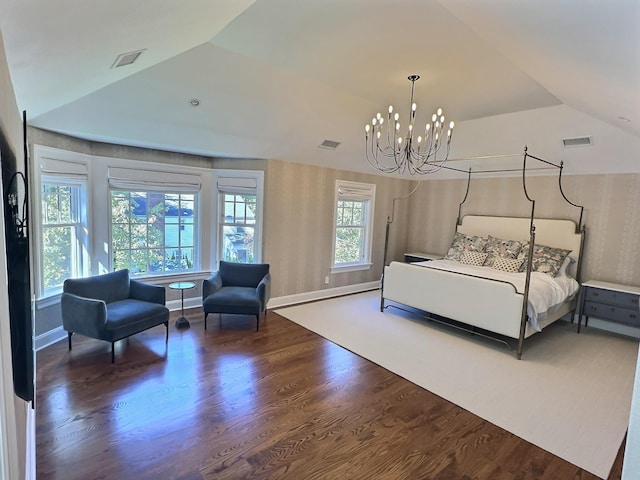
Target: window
353,225
153,232
237,227
239,200
62,234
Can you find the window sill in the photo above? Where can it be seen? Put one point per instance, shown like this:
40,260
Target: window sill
351,268
47,301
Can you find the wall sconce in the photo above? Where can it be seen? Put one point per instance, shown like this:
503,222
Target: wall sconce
18,218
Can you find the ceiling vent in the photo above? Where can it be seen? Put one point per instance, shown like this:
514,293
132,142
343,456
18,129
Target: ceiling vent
577,142
127,58
329,144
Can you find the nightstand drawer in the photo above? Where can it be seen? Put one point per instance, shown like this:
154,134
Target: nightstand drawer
611,297
612,312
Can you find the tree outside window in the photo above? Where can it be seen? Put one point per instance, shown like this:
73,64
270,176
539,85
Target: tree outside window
61,234
350,229
152,232
354,224
237,227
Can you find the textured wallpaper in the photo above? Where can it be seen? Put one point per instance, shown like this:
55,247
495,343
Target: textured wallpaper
611,215
298,226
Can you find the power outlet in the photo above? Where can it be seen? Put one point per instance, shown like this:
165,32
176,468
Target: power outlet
326,280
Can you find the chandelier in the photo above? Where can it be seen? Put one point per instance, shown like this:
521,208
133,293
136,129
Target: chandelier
413,154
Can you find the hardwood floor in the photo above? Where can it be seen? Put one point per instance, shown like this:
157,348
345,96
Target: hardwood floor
230,403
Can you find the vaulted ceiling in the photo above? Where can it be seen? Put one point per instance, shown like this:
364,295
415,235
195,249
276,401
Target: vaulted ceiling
275,78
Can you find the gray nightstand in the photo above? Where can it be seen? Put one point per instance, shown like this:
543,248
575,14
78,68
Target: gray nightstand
609,301
421,257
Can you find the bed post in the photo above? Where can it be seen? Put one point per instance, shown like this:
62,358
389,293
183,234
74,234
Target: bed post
386,239
466,194
384,258
532,239
525,302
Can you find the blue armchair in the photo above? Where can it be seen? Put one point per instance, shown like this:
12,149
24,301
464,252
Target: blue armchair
111,307
237,288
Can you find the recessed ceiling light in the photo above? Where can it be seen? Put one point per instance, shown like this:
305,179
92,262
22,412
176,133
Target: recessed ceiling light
194,102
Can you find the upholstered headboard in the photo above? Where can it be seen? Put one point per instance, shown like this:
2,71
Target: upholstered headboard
551,232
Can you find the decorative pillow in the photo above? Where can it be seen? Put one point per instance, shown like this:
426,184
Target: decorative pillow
523,256
471,257
505,264
546,259
462,242
497,247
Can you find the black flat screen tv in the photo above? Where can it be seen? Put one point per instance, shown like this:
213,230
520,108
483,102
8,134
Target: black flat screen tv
18,268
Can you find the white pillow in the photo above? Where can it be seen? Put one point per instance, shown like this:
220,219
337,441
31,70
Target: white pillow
562,272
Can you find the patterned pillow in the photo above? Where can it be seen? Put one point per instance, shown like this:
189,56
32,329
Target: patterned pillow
471,257
505,264
545,259
523,256
496,247
462,242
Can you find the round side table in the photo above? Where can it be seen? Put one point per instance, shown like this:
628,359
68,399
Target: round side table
182,321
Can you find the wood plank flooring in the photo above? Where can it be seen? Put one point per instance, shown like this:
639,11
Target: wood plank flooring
282,403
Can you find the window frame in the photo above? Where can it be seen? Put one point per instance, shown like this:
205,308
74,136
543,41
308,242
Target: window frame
196,234
234,224
55,166
360,192
239,182
80,250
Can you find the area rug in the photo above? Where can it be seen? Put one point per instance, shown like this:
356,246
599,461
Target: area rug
570,394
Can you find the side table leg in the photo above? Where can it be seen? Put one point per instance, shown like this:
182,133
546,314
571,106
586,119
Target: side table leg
182,321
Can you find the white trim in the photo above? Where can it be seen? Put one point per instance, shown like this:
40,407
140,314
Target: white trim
62,167
351,267
362,192
49,338
278,302
152,179
238,181
191,302
30,473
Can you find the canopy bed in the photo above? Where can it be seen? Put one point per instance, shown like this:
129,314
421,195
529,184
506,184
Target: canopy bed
502,277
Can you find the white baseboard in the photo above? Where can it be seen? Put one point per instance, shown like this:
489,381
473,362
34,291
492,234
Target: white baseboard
49,338
278,302
58,333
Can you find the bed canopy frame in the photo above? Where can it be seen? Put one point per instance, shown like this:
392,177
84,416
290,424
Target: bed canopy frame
580,229
525,155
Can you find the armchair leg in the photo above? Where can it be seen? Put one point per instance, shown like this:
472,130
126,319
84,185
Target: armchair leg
166,337
113,353
205,320
69,335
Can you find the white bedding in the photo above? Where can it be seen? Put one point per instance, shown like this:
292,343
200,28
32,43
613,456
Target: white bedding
545,292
